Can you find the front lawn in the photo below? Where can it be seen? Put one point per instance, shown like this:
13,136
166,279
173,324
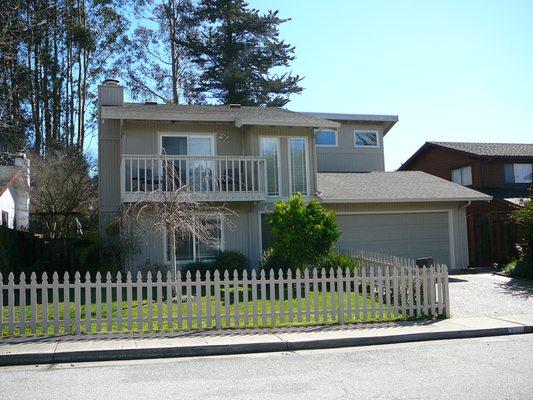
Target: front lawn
186,317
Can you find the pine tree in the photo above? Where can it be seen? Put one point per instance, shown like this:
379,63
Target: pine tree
235,50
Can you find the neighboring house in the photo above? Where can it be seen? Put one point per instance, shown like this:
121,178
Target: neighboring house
14,192
251,157
501,170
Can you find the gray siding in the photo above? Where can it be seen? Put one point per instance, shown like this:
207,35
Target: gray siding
345,157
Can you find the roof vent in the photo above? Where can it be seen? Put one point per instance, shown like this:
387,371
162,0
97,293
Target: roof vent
111,82
150,103
234,105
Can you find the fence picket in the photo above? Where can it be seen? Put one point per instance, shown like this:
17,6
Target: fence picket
324,290
139,292
332,294
87,289
418,308
446,293
218,322
307,296
372,290
315,295
364,285
227,305
340,290
188,293
254,298
44,303
432,299
263,298
410,296
379,284
159,299
129,300
22,304
357,294
179,294
198,297
208,319
55,301
425,290
66,302
290,296
10,303
298,281
236,318
281,288
168,294
118,295
272,288
109,301
77,303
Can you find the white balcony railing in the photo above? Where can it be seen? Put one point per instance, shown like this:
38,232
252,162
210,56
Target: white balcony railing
232,178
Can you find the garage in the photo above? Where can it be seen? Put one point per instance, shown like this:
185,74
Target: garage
415,234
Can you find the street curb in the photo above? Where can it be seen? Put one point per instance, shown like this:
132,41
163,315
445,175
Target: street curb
247,348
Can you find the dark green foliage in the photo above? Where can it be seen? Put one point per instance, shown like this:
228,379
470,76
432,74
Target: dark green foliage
271,260
521,268
302,233
230,260
524,216
234,49
336,260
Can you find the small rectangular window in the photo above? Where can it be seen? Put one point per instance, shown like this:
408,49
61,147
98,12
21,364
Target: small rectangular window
522,173
326,138
366,139
462,176
298,165
270,149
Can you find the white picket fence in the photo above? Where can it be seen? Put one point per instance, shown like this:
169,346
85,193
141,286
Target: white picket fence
378,291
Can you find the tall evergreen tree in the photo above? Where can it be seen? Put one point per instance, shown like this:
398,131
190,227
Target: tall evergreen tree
238,54
154,65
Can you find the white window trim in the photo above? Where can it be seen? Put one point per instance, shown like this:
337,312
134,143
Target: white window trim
278,149
307,176
327,145
183,262
187,135
378,142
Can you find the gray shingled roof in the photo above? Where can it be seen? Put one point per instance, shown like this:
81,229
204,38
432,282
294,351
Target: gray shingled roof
244,115
383,187
491,149
387,121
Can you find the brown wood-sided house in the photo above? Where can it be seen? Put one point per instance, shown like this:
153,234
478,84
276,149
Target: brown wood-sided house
502,170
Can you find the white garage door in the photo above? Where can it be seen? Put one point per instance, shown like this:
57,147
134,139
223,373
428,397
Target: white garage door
404,234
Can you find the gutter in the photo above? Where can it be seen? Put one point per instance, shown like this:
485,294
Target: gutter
405,200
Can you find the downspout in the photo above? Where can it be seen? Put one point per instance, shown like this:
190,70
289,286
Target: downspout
461,234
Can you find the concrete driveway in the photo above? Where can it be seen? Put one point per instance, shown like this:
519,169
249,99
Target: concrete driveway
489,295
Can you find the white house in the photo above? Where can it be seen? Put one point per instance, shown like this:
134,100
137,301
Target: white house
15,192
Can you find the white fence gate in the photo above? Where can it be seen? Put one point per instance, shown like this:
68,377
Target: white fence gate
381,289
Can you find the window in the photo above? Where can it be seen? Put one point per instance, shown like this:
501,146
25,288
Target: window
190,248
462,176
520,173
326,138
298,165
366,139
5,218
270,149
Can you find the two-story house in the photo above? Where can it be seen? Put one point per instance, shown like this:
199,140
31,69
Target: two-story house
501,170
251,157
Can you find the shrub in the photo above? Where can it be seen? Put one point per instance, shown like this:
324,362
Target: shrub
270,260
193,267
335,260
521,268
302,233
230,260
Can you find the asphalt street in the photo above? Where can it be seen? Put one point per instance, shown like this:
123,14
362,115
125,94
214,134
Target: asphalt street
484,368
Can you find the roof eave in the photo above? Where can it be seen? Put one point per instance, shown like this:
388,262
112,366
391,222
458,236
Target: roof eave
407,200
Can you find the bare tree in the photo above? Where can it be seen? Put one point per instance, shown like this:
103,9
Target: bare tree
175,210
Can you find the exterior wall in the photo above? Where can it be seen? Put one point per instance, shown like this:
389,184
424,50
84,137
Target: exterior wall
440,162
345,157
16,201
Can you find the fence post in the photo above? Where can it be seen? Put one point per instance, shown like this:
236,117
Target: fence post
307,295
119,301
44,302
66,302
254,297
88,302
55,301
77,303
281,288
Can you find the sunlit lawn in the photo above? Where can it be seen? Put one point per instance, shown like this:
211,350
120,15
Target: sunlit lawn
185,316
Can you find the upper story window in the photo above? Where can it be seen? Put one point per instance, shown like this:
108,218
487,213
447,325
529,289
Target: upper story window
518,173
462,176
326,138
366,139
298,166
269,147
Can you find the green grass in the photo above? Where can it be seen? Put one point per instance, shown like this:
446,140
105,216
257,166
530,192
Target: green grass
522,268
120,308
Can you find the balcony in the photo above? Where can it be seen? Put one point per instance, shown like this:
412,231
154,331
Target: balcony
203,178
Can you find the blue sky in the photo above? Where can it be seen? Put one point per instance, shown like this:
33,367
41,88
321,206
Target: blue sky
451,70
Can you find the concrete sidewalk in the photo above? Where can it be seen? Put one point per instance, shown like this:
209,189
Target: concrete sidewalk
46,350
